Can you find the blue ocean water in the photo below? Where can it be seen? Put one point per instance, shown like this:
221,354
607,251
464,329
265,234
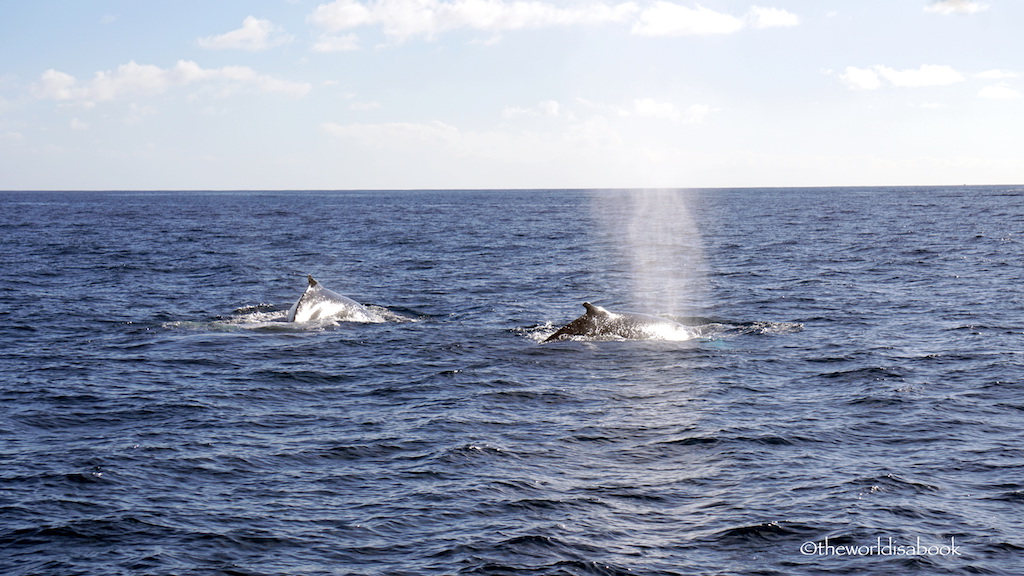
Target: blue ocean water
851,403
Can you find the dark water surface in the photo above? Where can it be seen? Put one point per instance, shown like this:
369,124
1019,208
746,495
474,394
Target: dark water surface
858,381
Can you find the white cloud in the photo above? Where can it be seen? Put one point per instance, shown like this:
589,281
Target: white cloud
926,75
254,35
77,124
771,18
517,112
549,107
544,108
997,75
56,85
404,19
136,113
696,113
133,79
650,108
343,15
999,92
946,7
12,137
669,19
593,133
647,108
245,76
337,43
861,78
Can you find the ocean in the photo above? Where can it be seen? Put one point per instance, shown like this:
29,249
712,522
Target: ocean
851,400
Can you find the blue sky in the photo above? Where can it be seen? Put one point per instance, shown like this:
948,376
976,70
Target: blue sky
379,94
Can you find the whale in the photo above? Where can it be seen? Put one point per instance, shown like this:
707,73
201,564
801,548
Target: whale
600,323
319,303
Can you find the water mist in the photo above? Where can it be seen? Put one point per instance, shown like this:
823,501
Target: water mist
659,240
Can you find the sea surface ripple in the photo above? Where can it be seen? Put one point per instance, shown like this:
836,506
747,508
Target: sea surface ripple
857,381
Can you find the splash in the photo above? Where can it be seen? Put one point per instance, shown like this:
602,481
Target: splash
270,318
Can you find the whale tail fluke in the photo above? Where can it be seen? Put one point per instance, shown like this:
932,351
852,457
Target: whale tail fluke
311,281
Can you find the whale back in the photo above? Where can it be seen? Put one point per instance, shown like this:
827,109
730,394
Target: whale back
319,303
581,326
599,322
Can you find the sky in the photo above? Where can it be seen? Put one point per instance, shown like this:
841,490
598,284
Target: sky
452,94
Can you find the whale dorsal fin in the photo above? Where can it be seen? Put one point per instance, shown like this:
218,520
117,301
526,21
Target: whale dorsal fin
311,281
592,309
